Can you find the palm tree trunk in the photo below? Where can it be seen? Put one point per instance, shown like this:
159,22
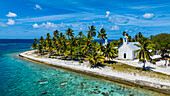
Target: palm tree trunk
144,65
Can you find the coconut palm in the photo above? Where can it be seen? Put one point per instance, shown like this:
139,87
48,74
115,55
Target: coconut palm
41,40
34,46
79,51
110,51
143,52
101,47
48,36
136,37
35,40
88,45
129,38
102,34
71,44
94,58
140,35
69,32
54,40
50,45
92,31
56,33
40,49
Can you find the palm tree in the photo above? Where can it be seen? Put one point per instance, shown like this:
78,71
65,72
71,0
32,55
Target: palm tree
129,38
48,36
79,48
136,37
69,32
110,51
34,46
94,58
54,40
41,40
140,35
92,31
40,49
102,34
50,45
88,45
71,44
101,47
143,52
35,40
61,45
80,35
56,33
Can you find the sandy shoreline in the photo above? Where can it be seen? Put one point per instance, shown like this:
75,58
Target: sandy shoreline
106,73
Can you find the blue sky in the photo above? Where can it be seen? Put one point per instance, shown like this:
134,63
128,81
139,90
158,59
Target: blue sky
27,19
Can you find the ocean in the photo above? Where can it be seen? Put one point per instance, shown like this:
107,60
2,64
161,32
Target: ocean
19,77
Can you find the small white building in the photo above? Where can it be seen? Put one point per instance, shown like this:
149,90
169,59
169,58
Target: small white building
127,49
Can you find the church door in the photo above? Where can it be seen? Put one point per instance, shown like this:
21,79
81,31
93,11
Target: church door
124,55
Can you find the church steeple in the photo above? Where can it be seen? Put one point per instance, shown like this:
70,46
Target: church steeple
125,39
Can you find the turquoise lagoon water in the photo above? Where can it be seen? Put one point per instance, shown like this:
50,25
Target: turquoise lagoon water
19,77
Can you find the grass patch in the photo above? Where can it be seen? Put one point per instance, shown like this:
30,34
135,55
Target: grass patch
120,67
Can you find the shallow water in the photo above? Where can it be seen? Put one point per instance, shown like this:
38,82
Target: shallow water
24,78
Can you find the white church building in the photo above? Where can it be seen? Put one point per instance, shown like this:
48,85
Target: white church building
127,49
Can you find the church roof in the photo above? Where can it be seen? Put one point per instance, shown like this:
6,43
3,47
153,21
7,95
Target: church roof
133,46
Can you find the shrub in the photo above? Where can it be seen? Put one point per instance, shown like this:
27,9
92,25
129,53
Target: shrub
49,57
154,62
81,61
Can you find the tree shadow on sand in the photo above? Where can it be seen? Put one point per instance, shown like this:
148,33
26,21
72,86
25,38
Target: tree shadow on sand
149,68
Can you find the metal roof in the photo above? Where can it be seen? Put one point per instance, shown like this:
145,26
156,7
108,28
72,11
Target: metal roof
133,46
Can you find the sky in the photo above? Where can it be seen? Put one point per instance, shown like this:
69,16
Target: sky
28,19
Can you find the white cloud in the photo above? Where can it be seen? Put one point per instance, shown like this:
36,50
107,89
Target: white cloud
148,15
10,22
35,25
48,25
10,14
38,7
107,13
115,27
45,25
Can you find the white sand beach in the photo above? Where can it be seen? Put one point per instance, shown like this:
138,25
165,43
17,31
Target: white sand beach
107,71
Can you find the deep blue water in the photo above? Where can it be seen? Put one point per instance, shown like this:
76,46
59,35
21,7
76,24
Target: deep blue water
19,77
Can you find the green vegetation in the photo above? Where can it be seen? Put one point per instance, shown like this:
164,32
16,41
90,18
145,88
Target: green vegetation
162,42
70,47
143,52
